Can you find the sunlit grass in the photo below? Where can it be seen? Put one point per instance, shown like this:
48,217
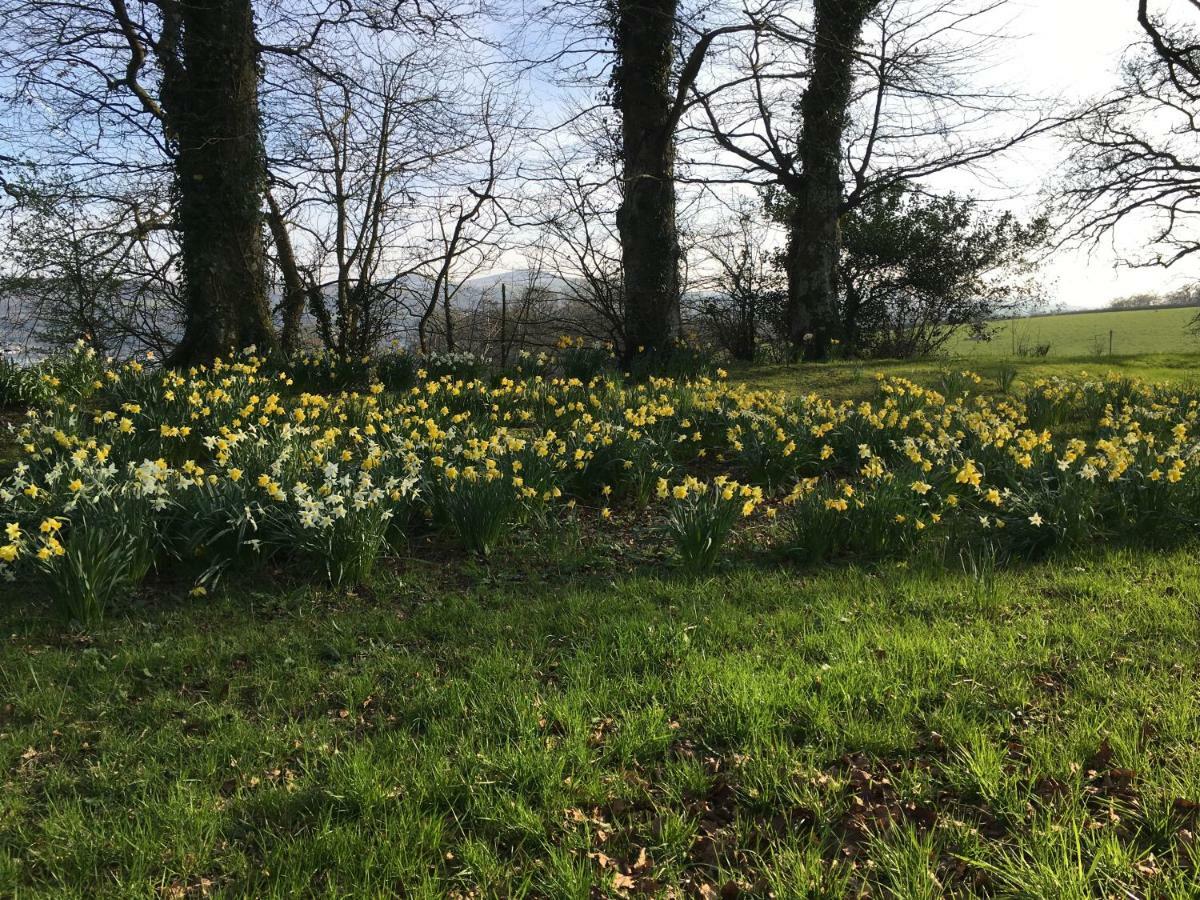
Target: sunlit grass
852,379
911,732
1086,335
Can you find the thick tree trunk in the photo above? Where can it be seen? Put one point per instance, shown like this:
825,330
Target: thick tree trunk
643,32
814,236
210,99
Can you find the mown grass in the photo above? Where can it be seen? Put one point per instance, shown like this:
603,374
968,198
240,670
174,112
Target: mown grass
575,723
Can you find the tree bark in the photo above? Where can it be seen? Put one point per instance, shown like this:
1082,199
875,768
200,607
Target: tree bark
210,104
295,291
850,319
813,230
643,32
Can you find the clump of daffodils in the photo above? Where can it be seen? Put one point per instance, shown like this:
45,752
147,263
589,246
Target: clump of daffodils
702,514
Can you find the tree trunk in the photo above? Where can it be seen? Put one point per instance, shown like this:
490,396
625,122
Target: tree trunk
851,331
503,325
448,316
744,346
295,292
813,229
643,32
210,100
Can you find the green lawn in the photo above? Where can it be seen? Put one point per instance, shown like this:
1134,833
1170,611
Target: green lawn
1087,335
589,726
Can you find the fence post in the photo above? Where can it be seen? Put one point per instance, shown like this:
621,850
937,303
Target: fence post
1110,332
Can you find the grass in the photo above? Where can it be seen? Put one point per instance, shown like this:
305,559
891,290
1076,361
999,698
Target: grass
1150,344
1086,335
853,379
582,727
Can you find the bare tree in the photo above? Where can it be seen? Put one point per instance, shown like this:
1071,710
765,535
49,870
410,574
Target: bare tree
181,79
516,313
577,244
170,91
74,266
889,93
650,52
64,267
358,152
741,299
1134,171
465,227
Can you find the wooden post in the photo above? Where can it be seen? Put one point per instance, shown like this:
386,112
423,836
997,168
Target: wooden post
1110,331
503,325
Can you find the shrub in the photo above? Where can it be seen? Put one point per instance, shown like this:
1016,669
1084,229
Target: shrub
681,361
456,366
70,376
95,559
327,372
21,386
878,518
530,366
396,371
87,573
954,384
1006,377
345,525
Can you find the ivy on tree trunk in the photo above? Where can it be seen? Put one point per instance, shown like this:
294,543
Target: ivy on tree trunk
210,105
643,32
813,226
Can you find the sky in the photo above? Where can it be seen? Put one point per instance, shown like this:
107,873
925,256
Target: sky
1072,48
1056,48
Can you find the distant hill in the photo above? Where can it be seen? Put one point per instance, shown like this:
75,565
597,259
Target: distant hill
517,280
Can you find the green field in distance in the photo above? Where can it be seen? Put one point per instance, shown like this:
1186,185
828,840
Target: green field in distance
1085,334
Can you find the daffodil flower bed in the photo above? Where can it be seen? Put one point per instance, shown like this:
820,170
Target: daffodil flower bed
234,463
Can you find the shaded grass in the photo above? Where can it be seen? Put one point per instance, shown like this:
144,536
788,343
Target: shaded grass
495,730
